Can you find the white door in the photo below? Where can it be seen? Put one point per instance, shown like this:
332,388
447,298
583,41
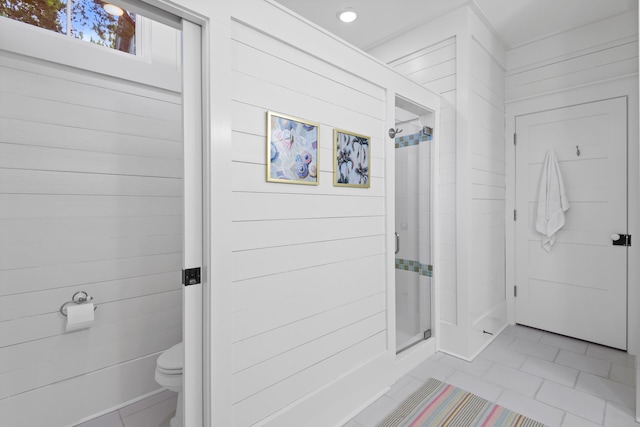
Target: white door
192,296
579,288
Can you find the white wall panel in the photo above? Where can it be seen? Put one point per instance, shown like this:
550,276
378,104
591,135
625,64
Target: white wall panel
51,229
258,348
86,141
437,73
91,92
488,188
272,371
442,84
21,107
607,49
575,72
428,57
597,36
253,234
302,80
264,262
66,252
286,287
45,277
14,181
281,99
306,302
260,206
267,402
35,157
302,60
20,206
115,385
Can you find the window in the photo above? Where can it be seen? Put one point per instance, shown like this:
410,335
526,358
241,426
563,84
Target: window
93,21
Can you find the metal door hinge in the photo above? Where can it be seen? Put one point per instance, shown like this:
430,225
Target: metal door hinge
427,334
515,291
191,276
515,215
515,139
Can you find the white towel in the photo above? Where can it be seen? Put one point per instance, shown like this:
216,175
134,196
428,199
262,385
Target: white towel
552,201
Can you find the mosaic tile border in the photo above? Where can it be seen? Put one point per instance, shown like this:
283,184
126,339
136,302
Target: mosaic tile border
415,266
411,140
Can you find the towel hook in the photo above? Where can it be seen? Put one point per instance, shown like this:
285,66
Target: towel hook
578,150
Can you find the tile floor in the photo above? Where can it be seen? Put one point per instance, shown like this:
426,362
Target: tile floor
556,380
155,411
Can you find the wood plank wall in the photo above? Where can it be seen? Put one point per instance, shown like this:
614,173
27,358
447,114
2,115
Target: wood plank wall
434,67
601,51
488,184
309,301
91,200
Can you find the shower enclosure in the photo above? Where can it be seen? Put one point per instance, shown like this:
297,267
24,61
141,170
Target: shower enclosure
413,269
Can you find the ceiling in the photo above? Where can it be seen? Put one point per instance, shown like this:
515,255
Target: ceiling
515,22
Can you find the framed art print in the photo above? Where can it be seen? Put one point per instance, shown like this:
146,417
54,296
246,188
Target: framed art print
351,154
292,150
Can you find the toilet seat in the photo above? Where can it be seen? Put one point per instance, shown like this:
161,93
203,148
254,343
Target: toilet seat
169,368
172,360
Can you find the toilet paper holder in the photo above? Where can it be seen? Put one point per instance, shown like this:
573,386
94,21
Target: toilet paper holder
80,297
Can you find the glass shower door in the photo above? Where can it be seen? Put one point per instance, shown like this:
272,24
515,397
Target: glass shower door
412,227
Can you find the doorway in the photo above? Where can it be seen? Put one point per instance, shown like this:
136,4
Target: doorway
579,287
94,160
413,183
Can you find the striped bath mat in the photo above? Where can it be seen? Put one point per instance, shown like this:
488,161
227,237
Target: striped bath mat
437,404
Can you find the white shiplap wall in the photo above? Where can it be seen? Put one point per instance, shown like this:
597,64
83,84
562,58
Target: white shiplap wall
602,51
90,199
486,121
309,300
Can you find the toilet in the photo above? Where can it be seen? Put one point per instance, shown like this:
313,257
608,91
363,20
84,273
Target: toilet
169,375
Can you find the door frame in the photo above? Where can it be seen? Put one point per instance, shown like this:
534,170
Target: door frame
196,307
618,107
418,352
626,86
214,18
196,202
408,105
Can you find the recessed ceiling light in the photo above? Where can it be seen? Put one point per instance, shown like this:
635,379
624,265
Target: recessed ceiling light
112,9
347,15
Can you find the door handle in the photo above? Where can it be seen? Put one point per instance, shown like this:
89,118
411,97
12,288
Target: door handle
621,239
397,242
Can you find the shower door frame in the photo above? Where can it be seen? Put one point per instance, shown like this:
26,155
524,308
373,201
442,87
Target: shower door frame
420,349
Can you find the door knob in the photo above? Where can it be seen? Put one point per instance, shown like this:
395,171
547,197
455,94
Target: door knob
615,237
